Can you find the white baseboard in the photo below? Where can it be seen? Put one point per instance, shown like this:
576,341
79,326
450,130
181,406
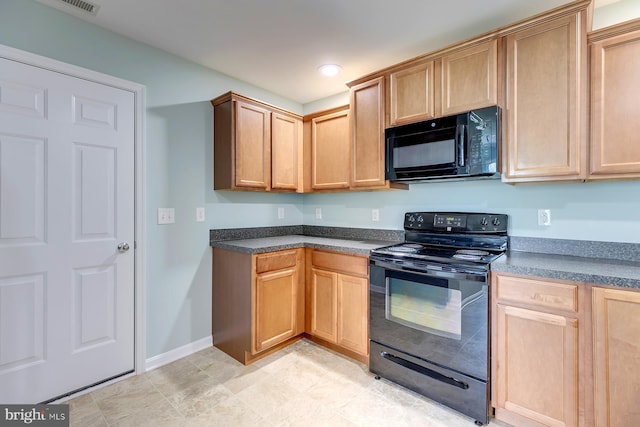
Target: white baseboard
177,353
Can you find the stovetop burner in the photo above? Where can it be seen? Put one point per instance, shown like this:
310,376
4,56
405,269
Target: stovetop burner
471,252
450,237
406,248
410,251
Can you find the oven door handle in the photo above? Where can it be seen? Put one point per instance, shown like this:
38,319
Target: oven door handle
424,371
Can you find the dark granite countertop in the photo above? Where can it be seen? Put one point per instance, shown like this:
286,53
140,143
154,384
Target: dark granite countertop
276,243
600,271
267,239
602,263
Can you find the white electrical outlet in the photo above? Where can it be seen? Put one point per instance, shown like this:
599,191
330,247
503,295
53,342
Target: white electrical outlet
375,214
544,217
166,215
280,213
200,214
318,213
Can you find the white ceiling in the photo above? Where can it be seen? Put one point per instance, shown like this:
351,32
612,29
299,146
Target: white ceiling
278,45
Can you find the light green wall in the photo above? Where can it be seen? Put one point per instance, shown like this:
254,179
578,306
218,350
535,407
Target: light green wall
179,174
582,211
179,134
620,11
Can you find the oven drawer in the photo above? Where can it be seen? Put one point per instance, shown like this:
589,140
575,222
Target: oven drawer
466,395
560,296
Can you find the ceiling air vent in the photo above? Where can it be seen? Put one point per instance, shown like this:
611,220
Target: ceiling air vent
79,6
84,5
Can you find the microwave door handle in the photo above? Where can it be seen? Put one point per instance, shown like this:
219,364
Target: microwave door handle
461,140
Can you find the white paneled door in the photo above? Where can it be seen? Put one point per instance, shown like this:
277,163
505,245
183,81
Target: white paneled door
66,233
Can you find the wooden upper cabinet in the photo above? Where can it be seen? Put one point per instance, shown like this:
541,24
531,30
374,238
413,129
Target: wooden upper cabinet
256,146
545,101
615,128
615,359
286,137
451,83
367,129
253,146
330,151
411,92
470,78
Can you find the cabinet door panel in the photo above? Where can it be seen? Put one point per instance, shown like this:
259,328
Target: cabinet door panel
537,369
367,123
324,305
470,78
353,313
331,152
285,139
275,308
252,148
615,128
616,357
412,94
544,102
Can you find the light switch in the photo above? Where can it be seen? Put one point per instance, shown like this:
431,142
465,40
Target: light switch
200,214
166,215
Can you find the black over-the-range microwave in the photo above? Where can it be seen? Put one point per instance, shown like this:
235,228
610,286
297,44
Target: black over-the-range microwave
460,146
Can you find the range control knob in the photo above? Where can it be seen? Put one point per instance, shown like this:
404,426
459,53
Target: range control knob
484,220
411,218
420,219
496,221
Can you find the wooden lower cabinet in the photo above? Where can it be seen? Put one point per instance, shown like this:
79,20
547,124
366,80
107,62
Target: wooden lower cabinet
324,303
535,351
275,307
616,357
337,302
353,313
564,353
258,301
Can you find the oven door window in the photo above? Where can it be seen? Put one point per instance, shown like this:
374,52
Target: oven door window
430,306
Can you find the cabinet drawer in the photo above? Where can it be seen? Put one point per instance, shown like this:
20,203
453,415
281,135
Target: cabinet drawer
275,261
341,263
540,293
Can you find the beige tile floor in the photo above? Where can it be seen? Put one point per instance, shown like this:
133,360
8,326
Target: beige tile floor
302,385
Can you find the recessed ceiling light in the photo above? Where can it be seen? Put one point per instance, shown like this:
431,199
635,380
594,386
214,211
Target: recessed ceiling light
330,70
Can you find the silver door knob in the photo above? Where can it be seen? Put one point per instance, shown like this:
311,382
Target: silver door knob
123,247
